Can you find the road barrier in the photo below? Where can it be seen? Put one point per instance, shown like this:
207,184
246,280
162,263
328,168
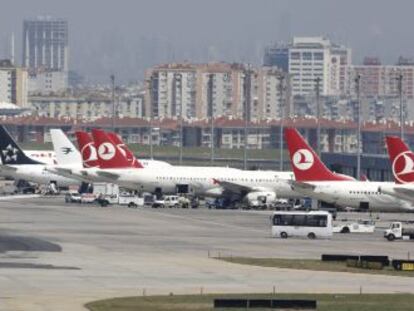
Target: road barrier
382,259
363,258
296,304
403,265
338,257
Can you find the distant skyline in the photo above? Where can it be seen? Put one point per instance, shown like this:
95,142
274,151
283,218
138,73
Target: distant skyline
127,36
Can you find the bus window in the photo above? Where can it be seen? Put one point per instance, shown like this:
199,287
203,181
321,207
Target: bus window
316,221
299,220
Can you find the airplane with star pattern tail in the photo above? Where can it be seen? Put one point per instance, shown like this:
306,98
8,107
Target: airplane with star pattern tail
11,153
17,165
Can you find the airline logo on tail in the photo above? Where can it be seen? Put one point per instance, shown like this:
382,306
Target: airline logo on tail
66,150
303,159
124,150
10,153
89,154
306,164
402,160
403,167
121,147
106,151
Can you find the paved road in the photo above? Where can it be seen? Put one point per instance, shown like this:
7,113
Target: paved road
61,256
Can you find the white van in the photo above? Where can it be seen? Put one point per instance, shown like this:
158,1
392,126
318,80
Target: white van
317,224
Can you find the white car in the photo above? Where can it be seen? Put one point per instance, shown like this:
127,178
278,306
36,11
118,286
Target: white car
73,197
361,226
176,201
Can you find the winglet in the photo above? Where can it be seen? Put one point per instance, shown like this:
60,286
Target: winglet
306,164
402,160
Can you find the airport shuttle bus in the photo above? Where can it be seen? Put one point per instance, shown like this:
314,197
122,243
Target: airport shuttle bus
317,224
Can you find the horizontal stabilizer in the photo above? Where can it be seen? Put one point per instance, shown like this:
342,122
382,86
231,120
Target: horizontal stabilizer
8,168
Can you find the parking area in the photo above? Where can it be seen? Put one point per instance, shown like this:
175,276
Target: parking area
57,256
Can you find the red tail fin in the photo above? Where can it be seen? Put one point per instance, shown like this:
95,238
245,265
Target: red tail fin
87,149
402,160
305,162
109,156
124,148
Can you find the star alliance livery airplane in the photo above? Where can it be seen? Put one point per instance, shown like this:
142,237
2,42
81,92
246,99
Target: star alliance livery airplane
17,165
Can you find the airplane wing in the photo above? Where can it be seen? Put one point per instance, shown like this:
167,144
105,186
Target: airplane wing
7,168
234,187
301,186
400,192
63,171
108,175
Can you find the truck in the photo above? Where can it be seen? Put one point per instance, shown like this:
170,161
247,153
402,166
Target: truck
399,231
105,189
171,201
361,226
129,200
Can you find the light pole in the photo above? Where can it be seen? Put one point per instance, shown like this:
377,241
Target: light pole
400,92
358,91
211,114
247,98
281,78
318,116
151,113
113,102
178,78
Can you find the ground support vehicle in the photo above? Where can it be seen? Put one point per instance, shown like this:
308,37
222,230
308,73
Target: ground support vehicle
399,231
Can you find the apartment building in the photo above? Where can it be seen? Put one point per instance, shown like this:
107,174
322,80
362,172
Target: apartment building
13,84
378,80
307,59
86,108
46,53
219,89
48,82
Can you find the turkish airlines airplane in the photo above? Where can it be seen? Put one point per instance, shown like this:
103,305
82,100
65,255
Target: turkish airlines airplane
87,171
206,181
17,165
315,180
402,166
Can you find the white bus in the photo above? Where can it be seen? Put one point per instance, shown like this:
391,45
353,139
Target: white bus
313,225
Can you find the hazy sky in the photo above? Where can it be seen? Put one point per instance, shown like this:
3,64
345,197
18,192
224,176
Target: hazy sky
127,36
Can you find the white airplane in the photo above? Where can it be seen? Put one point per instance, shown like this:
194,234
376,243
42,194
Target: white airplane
17,165
206,181
43,156
314,179
88,166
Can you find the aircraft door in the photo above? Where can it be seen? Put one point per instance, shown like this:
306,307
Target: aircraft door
364,206
182,188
